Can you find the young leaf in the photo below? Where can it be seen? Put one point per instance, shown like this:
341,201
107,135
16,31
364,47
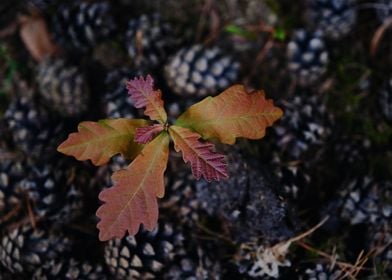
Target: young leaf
99,141
133,198
144,135
234,113
142,94
204,160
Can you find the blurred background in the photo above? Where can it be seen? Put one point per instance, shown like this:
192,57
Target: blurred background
326,63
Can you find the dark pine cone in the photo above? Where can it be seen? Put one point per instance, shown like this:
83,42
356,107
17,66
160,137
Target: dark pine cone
293,177
12,171
303,129
180,198
307,57
82,25
149,40
144,255
198,71
34,131
321,271
63,87
351,150
23,250
365,200
51,193
193,264
335,18
70,269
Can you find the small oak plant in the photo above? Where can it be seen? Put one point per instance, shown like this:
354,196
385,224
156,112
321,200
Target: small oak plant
132,200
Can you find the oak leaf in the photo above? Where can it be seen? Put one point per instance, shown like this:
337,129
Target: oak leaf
144,135
133,198
205,162
234,113
142,93
99,141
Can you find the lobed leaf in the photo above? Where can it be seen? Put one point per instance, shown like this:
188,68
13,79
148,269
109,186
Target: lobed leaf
201,155
142,93
133,198
144,135
234,113
99,141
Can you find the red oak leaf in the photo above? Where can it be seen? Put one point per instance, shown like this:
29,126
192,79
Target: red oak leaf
144,135
142,94
133,198
204,160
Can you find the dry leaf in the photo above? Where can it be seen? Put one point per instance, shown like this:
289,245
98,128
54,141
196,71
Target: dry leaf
36,37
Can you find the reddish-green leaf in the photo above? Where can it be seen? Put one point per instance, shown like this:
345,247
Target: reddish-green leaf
99,141
142,93
144,135
133,198
202,156
234,113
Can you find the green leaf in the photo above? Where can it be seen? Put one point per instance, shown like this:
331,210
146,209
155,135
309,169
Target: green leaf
239,31
279,34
